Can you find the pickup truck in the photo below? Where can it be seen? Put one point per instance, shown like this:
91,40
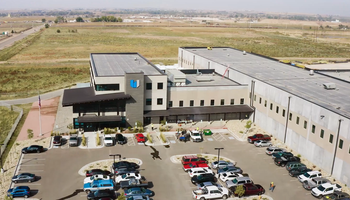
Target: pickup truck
186,167
193,158
314,182
251,189
132,183
73,140
96,177
211,192
196,136
325,189
99,185
281,154
257,137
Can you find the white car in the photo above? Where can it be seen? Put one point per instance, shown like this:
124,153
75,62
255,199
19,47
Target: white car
309,175
96,177
195,136
325,189
211,192
221,164
127,176
108,140
206,184
228,176
262,143
198,171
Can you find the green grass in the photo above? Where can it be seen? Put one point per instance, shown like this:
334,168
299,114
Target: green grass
7,119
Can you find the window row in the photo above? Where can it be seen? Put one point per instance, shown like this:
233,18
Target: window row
212,102
149,86
159,101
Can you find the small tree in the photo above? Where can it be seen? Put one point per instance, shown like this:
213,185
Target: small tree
47,25
79,19
248,125
120,19
43,20
121,196
239,191
30,133
58,31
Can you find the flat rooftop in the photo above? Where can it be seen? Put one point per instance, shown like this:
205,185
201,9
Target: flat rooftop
291,79
215,80
117,64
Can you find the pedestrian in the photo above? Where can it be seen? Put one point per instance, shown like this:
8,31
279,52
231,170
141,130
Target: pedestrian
272,186
152,126
197,128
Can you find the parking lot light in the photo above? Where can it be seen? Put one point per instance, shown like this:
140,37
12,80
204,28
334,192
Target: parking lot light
114,155
218,158
2,169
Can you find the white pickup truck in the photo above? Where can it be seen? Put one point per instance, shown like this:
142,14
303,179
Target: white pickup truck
196,136
325,189
211,192
95,178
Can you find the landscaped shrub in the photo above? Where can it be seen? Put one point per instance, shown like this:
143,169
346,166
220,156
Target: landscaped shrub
98,140
149,138
83,140
30,133
163,137
239,190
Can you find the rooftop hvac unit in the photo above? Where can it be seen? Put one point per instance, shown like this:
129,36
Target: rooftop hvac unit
203,79
183,84
329,86
178,84
311,72
244,53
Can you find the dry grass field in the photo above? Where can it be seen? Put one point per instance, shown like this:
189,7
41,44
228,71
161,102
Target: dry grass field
6,122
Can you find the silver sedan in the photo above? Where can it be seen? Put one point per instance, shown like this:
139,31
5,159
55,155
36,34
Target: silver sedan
262,143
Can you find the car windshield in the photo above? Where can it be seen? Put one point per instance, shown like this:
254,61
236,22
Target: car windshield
321,188
124,176
307,175
108,138
199,177
196,134
234,181
73,138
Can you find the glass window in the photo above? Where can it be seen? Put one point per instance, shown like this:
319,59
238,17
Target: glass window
160,101
170,104
181,103
148,102
271,106
242,101
148,86
331,138
283,112
106,87
341,144
305,124
297,120
202,102
232,102
322,133
265,103
191,102
222,102
212,102
290,116
160,86
313,128
260,100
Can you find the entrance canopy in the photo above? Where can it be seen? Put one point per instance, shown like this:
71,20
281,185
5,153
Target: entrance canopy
94,118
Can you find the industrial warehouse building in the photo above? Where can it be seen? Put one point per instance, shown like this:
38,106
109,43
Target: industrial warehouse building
308,111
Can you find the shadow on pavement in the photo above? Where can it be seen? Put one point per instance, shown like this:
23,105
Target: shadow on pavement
73,194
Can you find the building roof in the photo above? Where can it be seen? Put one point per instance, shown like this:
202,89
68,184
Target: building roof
200,110
86,95
291,79
117,64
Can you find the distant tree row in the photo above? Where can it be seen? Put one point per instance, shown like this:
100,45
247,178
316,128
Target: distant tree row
107,19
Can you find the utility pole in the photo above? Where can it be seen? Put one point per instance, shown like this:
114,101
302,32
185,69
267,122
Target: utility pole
218,149
114,155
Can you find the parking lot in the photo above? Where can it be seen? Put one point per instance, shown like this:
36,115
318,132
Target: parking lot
58,168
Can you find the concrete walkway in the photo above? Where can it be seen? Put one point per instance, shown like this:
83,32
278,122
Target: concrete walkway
91,141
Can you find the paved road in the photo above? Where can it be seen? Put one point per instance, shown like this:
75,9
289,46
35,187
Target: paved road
17,37
59,168
48,95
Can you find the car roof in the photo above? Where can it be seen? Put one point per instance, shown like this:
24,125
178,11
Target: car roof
212,187
104,181
140,134
313,172
35,146
74,135
242,178
21,187
57,136
190,156
320,179
327,185
197,168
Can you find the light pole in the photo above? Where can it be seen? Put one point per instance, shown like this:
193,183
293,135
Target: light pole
114,155
218,158
2,169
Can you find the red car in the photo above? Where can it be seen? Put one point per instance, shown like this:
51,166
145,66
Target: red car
251,189
190,159
194,165
140,137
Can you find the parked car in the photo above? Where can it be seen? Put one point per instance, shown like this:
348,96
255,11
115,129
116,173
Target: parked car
221,164
203,178
294,165
231,169
97,171
73,140
19,191
227,176
127,176
284,160
96,177
325,189
298,171
315,182
250,189
138,192
99,185
193,158
270,150
99,194
123,164
237,181
281,154
262,143
24,177
196,136
206,184
188,166
120,138
139,198
140,138
309,175
336,196
108,140
211,192
57,140
33,149
257,137
198,171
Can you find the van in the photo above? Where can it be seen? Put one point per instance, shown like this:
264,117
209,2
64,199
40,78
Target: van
294,165
238,181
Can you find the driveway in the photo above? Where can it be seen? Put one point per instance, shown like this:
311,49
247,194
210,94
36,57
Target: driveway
60,178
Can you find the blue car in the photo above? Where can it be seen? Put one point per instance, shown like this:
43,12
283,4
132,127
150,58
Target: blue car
231,169
20,191
138,192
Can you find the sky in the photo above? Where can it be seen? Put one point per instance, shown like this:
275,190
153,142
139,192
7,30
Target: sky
327,7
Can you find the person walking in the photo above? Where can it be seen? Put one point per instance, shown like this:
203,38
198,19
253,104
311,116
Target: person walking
272,186
152,126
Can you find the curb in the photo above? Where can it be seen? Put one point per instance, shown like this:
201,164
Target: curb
17,168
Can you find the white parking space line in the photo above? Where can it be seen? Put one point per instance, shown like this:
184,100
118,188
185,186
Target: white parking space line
29,184
33,170
131,141
32,165
218,137
33,159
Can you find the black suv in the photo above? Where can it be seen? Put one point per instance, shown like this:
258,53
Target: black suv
298,171
284,160
203,178
123,167
102,194
33,149
120,139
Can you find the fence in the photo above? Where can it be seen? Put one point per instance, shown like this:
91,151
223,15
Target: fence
9,135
